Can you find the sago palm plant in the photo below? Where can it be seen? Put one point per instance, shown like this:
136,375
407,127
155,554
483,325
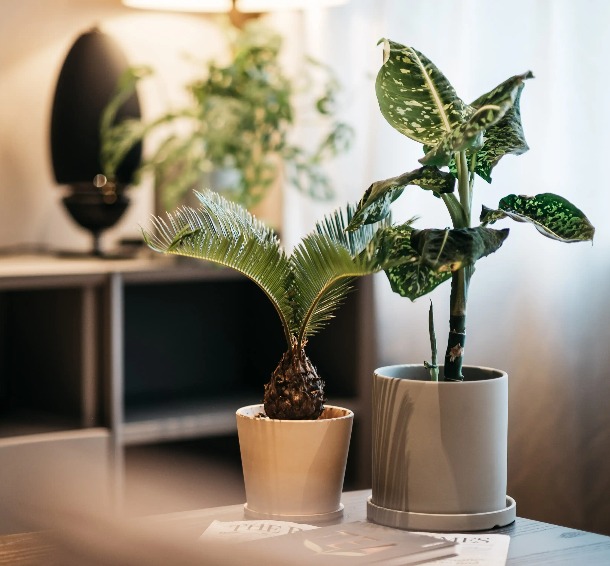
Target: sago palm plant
305,287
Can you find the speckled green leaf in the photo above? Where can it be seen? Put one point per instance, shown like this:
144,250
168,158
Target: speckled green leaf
490,110
504,138
468,135
505,92
449,250
435,180
415,97
408,275
489,215
375,203
552,215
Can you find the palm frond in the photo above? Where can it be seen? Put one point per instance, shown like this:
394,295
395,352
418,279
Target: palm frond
334,226
225,233
324,265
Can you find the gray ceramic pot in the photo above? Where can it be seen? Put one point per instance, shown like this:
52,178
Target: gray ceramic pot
439,450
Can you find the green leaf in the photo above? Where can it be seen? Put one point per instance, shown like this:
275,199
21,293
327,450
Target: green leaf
468,135
552,215
324,265
224,233
118,138
504,138
408,276
489,110
415,97
449,250
375,203
435,180
358,241
505,93
489,215
305,288
459,218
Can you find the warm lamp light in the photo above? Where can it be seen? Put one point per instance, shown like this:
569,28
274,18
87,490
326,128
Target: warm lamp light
275,5
244,6
206,6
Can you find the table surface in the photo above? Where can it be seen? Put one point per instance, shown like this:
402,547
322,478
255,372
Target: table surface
532,542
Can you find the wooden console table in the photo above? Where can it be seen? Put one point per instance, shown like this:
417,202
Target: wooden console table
532,542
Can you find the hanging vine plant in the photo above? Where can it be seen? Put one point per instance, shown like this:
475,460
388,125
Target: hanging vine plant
239,118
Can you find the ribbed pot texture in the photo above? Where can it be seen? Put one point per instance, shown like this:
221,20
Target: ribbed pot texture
294,468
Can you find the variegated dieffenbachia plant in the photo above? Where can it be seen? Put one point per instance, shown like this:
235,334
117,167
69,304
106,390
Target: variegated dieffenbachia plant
460,142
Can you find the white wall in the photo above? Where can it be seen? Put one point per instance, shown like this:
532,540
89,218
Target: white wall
35,36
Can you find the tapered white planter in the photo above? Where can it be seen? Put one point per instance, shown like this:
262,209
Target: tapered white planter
294,470
440,450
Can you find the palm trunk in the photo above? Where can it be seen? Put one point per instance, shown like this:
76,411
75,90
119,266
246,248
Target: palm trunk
295,390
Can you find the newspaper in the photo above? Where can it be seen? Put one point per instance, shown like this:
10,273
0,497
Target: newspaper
476,549
240,531
484,549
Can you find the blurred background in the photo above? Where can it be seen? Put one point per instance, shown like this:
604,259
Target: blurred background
538,309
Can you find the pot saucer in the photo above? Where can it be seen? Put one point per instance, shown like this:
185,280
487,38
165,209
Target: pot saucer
438,522
317,518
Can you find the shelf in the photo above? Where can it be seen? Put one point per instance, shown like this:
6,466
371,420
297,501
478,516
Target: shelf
175,421
23,422
160,349
49,271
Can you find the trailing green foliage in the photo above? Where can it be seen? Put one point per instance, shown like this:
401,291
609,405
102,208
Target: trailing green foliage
237,119
117,139
469,139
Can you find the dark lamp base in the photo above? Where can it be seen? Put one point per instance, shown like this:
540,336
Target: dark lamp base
95,211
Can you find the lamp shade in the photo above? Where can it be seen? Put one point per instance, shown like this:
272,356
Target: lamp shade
246,6
86,83
275,5
207,6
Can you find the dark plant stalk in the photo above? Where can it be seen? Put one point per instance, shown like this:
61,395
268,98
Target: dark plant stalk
460,280
457,325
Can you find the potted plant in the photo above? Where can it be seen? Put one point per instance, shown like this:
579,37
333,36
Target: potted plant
440,433
293,447
233,133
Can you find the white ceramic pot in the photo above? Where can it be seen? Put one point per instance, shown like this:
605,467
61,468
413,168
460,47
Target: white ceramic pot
439,450
294,470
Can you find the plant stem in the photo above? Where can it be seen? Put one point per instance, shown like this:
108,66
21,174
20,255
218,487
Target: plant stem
432,367
459,285
464,188
457,325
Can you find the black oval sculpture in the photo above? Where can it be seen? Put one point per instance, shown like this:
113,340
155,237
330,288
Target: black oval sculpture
86,83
